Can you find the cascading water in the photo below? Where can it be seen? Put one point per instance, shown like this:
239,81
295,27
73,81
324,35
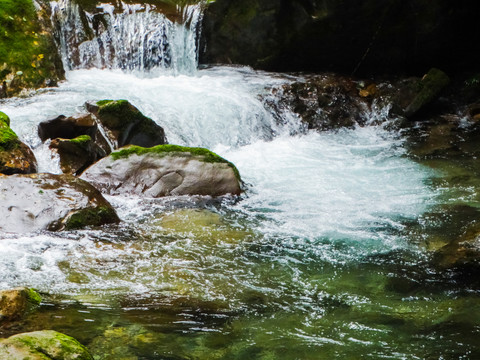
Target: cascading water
314,261
134,37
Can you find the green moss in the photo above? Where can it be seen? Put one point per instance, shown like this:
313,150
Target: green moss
163,150
91,216
8,138
103,102
48,344
4,118
117,114
81,140
34,297
24,47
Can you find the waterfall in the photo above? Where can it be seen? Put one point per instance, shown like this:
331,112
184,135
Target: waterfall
132,37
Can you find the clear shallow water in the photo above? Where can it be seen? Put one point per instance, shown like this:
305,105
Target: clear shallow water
315,261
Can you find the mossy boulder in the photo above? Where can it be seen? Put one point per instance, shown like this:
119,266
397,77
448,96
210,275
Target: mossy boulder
28,55
82,139
43,345
15,156
15,303
164,170
51,202
125,124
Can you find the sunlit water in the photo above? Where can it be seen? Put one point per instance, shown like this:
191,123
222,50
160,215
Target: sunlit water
316,260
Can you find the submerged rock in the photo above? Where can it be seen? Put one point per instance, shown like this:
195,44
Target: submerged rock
43,345
15,156
50,202
17,302
164,170
201,225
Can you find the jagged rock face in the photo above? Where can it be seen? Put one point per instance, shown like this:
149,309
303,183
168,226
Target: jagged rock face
43,345
164,170
82,139
365,37
325,102
37,202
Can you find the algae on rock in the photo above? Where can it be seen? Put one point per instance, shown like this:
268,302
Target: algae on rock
43,345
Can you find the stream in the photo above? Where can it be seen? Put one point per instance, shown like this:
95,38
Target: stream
324,256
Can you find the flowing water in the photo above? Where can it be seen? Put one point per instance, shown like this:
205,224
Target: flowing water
323,257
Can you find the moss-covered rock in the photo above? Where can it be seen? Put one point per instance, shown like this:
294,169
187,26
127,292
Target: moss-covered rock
28,55
164,170
126,125
15,303
15,156
43,345
51,202
4,118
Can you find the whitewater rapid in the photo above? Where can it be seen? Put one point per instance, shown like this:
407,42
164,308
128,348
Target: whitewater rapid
339,195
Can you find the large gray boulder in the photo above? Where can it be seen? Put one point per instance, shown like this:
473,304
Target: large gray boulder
43,345
50,202
164,170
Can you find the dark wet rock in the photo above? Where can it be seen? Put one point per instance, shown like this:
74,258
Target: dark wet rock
68,127
414,95
15,303
82,139
43,345
326,101
164,170
15,156
77,154
50,202
126,125
368,37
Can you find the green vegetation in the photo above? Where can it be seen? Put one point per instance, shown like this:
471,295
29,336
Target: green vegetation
21,44
4,118
163,150
105,102
34,297
47,344
8,138
117,114
81,140
27,53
